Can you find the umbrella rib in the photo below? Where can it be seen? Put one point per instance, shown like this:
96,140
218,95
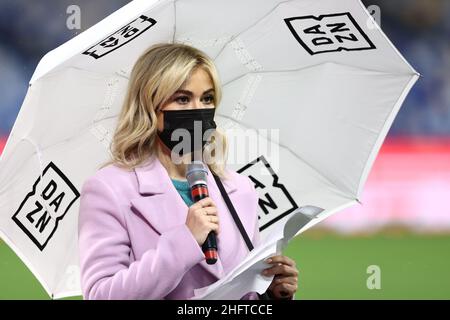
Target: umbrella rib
296,156
56,143
313,66
249,27
175,20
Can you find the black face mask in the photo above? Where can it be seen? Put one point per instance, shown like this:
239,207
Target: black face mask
196,121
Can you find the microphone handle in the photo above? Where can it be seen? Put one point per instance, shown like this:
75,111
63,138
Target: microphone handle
209,247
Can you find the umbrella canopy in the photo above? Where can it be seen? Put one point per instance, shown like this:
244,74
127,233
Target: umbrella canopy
318,76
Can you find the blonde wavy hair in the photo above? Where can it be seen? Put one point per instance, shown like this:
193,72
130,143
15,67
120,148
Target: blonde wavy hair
158,73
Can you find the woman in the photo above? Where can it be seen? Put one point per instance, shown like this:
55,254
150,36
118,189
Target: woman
140,234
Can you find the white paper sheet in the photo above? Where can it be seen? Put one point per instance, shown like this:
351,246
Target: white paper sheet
246,277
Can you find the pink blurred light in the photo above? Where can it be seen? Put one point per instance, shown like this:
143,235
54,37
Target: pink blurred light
409,186
2,143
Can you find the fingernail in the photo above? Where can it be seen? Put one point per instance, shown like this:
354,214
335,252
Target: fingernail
269,260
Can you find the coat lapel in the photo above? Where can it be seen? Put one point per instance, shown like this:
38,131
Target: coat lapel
163,208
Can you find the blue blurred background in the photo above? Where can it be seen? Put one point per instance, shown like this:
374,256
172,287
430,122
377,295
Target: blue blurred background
404,223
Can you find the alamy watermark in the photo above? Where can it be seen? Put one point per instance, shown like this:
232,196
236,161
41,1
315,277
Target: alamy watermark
237,146
73,21
375,17
374,280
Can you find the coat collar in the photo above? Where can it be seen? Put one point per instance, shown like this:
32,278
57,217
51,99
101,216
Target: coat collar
163,208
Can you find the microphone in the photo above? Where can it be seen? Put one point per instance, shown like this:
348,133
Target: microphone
196,176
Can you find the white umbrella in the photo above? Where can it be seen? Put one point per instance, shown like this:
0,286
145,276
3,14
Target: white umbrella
320,71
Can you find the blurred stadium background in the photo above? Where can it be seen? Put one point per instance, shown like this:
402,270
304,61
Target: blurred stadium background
403,225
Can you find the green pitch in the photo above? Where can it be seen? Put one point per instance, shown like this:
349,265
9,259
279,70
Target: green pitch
331,267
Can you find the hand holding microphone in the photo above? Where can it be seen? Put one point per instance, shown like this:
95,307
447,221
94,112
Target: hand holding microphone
202,219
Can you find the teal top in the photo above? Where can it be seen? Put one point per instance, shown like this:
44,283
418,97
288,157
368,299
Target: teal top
184,190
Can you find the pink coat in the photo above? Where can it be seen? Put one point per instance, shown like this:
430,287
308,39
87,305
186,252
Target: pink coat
133,240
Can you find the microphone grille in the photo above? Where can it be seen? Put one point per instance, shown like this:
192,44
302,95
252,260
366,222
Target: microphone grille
196,173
